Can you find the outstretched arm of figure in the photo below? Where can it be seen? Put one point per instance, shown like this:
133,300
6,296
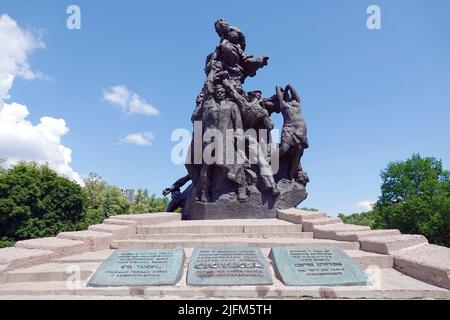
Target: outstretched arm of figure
279,96
294,93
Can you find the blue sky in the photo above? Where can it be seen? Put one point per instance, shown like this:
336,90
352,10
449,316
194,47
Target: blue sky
369,96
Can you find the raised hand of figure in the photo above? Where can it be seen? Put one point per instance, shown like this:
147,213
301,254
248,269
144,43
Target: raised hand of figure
167,191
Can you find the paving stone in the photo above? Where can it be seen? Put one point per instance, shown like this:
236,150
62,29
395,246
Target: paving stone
390,244
429,263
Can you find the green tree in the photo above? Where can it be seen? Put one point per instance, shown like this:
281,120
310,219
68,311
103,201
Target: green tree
362,219
36,202
96,190
144,203
103,200
415,198
2,166
116,203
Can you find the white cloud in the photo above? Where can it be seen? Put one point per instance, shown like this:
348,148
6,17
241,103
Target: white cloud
16,45
141,139
129,102
366,205
20,140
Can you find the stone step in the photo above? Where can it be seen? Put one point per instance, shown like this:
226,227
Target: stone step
221,226
81,267
310,224
117,230
59,247
390,284
331,231
390,244
359,235
70,272
298,216
96,256
230,242
120,222
95,240
149,218
13,258
188,236
429,263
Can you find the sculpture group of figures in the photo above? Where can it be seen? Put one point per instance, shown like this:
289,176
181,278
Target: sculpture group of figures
233,127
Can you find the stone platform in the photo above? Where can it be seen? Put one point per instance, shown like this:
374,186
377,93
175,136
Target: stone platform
398,266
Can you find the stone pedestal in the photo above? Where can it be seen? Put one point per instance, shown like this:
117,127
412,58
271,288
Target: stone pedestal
258,206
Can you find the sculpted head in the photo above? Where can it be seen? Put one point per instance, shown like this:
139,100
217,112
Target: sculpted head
219,92
222,27
254,95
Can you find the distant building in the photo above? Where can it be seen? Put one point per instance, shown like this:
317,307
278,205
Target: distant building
130,194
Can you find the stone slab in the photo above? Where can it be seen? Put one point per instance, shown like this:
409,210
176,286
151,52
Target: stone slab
96,256
52,272
309,225
309,266
230,242
330,231
429,263
150,218
115,229
59,247
221,226
13,258
392,285
191,236
359,235
96,240
228,267
121,222
142,267
390,244
297,216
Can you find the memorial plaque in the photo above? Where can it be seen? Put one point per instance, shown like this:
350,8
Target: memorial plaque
316,266
142,267
228,267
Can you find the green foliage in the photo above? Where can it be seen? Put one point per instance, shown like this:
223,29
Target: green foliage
36,202
362,219
96,190
2,168
415,198
144,203
103,198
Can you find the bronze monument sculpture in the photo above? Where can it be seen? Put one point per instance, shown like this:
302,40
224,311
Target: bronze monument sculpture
235,170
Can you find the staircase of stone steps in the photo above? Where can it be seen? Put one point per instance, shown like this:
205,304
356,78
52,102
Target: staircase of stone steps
237,233
399,266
